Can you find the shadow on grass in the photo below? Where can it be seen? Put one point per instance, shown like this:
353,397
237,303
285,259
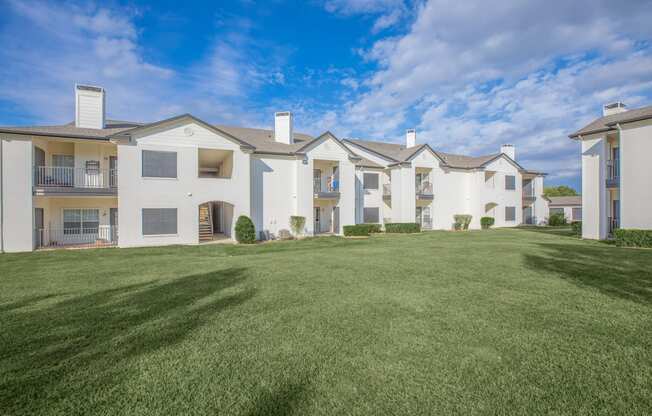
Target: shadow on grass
288,399
553,231
619,273
81,344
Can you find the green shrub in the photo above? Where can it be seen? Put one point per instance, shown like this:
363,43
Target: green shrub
402,227
245,232
457,226
633,238
577,228
357,230
296,224
555,220
464,220
373,228
487,222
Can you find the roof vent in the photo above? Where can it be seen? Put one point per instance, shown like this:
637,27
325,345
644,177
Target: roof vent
613,108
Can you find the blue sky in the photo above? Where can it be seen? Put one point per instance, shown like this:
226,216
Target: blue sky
468,75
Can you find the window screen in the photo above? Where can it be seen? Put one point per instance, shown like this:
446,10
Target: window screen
510,182
577,214
371,216
158,221
370,181
510,213
159,164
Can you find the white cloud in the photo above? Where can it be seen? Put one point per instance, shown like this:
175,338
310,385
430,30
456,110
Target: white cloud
551,64
389,12
69,43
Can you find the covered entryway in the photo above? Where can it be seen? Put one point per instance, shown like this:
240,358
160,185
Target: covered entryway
215,221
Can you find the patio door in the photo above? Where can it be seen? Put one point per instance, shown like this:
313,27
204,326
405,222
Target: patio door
419,215
336,220
317,220
113,171
63,170
113,223
316,180
38,227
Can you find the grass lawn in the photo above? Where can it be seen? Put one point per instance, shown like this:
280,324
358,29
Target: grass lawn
495,322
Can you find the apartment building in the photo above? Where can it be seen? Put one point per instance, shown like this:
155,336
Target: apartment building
616,172
568,206
181,180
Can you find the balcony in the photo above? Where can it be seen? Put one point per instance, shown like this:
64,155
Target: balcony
613,173
330,191
78,237
424,191
56,180
387,191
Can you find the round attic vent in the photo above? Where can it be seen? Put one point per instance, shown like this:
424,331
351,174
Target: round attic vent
188,131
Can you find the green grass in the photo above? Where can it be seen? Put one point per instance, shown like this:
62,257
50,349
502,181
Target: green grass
495,322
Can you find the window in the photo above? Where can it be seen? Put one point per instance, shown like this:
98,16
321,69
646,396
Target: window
159,221
81,221
510,182
92,167
159,164
510,213
577,214
371,215
554,211
370,181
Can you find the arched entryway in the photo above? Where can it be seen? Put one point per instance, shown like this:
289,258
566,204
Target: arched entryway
215,221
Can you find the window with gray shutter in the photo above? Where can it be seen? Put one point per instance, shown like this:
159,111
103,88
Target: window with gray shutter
159,221
510,213
510,182
157,164
577,214
371,215
370,181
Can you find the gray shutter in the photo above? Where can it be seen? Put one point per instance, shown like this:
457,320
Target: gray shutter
371,215
510,182
157,221
370,181
158,164
510,213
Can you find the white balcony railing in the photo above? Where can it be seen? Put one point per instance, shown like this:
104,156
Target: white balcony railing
424,188
67,177
100,236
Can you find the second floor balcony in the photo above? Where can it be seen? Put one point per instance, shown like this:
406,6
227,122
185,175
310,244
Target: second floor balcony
424,190
62,180
613,173
326,187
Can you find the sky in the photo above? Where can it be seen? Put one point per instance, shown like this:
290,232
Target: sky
468,75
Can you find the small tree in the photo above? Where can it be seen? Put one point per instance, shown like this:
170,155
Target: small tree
464,220
561,190
556,220
245,232
297,223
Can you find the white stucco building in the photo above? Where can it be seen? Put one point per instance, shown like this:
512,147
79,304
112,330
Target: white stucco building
616,172
569,206
185,181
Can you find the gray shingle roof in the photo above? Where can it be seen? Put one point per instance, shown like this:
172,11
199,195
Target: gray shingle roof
565,200
263,140
400,153
69,130
607,123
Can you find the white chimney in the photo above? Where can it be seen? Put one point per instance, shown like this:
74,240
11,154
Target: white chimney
613,108
90,110
283,131
509,150
410,138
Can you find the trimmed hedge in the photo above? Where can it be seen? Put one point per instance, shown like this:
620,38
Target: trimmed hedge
633,238
361,229
487,222
356,230
577,228
245,232
556,220
402,227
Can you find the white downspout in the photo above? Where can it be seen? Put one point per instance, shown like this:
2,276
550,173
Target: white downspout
2,201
